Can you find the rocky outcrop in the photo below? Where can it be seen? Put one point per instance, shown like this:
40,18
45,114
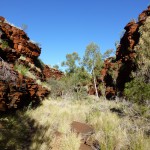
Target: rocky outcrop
17,89
19,92
18,42
108,77
116,72
36,71
52,73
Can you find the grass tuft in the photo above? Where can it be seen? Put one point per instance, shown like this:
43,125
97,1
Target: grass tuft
112,130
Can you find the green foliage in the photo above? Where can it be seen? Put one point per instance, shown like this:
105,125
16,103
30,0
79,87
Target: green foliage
92,61
69,87
71,62
107,54
56,67
56,86
143,53
78,81
15,131
21,69
4,44
76,77
38,44
82,76
24,27
137,91
92,57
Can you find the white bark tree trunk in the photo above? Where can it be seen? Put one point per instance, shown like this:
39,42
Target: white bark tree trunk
95,84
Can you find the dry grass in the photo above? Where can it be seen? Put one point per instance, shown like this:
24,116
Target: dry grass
25,71
114,131
69,141
57,116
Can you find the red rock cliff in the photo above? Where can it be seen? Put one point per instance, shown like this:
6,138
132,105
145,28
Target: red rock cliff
116,72
16,89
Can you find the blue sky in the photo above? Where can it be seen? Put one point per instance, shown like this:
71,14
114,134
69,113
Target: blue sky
65,26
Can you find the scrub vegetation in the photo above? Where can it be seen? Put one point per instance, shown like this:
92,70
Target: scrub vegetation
119,124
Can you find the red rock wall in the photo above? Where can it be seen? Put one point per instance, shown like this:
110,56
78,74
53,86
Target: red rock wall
52,73
19,42
116,73
23,90
20,92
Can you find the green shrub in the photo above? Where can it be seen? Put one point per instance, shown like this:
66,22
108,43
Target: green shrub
137,91
67,88
21,69
4,44
56,87
15,132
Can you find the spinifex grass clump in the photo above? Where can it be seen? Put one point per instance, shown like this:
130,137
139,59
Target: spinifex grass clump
111,130
36,129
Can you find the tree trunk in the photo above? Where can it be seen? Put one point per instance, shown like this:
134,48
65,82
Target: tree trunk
95,85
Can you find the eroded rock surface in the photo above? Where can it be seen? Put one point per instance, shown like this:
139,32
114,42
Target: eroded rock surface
16,48
52,72
116,71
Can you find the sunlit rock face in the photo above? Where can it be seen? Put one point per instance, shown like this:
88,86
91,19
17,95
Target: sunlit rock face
16,89
19,42
116,71
52,73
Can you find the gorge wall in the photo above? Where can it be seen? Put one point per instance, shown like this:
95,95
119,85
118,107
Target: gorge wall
116,71
21,70
17,51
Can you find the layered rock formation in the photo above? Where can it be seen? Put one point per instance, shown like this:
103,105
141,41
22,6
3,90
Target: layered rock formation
116,71
52,72
16,88
18,42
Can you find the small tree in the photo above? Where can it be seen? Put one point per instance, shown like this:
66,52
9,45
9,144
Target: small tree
107,54
56,67
71,62
92,61
83,76
138,91
76,76
24,27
